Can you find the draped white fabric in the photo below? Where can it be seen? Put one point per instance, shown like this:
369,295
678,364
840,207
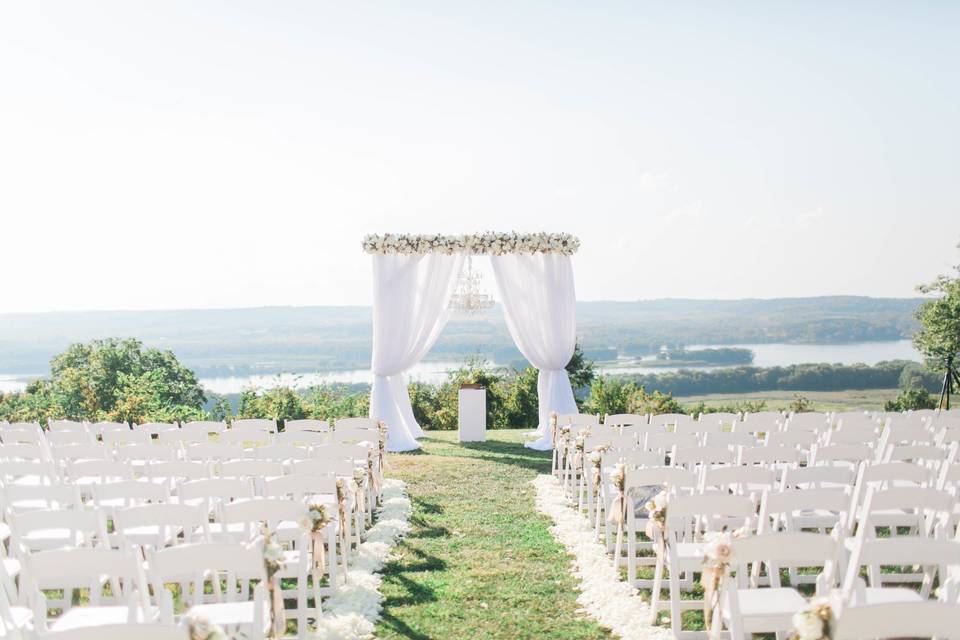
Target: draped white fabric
540,307
411,295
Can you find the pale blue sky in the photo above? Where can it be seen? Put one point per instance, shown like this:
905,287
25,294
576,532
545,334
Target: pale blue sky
217,154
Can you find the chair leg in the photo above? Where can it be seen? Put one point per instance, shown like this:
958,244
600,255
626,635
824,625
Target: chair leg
657,585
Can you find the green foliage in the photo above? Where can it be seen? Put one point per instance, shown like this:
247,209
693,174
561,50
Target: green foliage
916,375
800,377
110,379
579,369
657,402
939,334
610,395
908,399
279,403
332,401
801,404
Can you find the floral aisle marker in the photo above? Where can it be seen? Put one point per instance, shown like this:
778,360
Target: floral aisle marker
353,610
606,598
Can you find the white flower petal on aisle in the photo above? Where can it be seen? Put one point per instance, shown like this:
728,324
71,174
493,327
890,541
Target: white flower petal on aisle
604,596
352,612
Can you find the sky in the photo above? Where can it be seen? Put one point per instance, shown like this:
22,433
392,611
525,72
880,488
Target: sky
185,154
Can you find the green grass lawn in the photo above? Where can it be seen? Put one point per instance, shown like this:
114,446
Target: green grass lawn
871,399
480,561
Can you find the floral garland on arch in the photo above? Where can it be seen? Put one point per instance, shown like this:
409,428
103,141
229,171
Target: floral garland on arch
489,243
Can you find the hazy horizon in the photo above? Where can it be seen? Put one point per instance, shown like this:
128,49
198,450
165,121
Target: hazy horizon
184,155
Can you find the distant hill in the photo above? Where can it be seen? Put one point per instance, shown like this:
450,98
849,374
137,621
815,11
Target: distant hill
300,339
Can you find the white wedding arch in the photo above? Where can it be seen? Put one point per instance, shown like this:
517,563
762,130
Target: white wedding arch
413,280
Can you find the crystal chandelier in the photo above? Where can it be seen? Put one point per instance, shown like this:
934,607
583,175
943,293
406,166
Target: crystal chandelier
468,297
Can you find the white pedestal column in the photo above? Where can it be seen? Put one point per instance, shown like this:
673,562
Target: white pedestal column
473,413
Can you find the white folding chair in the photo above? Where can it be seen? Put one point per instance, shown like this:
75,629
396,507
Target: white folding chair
90,569
216,563
938,558
160,525
747,608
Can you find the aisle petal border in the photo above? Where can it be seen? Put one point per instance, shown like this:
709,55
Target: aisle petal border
352,612
489,243
612,602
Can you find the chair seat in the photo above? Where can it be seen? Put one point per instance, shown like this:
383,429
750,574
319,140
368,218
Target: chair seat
768,609
231,614
77,617
887,595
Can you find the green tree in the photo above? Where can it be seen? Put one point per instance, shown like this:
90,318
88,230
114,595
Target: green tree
580,370
939,334
610,395
909,399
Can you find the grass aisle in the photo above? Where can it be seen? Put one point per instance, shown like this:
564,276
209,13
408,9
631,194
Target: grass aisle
480,561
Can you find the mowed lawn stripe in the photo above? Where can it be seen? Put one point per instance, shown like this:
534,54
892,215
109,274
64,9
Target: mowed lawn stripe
480,561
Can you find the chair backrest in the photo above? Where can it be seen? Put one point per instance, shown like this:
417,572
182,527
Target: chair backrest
68,437
355,452
323,467
321,426
639,459
355,423
932,507
145,453
176,470
28,471
667,440
29,497
785,549
281,452
701,456
100,428
671,419
740,480
215,488
206,426
254,424
723,418
840,477
183,436
899,620
250,469
622,419
353,434
66,425
253,513
155,428
81,527
21,436
246,436
730,439
72,567
780,507
213,451
769,455
128,493
91,451
900,551
24,452
90,471
169,519
840,454
126,437
299,486
795,438
813,421
689,514
302,437
238,561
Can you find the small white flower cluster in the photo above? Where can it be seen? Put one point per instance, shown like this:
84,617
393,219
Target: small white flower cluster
813,623
488,243
200,628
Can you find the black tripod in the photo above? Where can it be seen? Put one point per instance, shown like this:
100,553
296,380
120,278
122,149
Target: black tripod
950,378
